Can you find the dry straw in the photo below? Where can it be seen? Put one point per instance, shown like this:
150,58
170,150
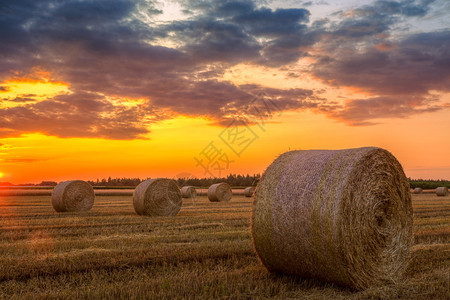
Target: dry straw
442,191
157,197
73,195
248,192
343,216
188,192
418,190
220,192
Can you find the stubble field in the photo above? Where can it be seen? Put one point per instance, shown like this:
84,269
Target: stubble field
203,252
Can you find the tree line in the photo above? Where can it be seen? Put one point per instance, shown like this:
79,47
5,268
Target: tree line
234,180
428,184
238,180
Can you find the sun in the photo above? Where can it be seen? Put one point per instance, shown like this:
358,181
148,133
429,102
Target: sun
1,174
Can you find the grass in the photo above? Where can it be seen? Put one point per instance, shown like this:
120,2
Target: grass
203,252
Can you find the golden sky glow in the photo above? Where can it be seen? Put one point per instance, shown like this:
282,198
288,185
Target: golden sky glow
90,89
170,148
19,92
173,144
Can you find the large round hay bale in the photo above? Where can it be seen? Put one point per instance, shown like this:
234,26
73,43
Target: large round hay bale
157,197
343,216
418,190
220,192
442,191
248,192
73,195
188,192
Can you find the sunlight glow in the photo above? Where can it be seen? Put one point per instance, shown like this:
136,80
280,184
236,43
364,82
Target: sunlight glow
21,91
127,102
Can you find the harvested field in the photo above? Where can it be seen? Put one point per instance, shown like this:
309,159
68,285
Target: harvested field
203,252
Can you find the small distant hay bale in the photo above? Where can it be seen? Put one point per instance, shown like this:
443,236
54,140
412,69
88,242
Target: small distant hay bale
248,192
220,192
188,192
157,197
73,196
442,191
418,190
342,216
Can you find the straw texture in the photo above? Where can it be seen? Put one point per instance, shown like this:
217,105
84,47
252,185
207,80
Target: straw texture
248,192
418,190
220,192
157,197
72,196
442,191
343,216
188,192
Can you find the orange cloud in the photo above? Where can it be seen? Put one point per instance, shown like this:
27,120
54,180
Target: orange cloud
37,87
384,47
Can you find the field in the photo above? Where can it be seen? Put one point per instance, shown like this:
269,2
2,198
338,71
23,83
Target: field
204,252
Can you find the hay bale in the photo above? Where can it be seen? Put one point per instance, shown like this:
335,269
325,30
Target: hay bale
442,191
343,216
418,190
157,197
220,192
188,192
248,192
73,195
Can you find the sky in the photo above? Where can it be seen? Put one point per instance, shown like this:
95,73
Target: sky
92,89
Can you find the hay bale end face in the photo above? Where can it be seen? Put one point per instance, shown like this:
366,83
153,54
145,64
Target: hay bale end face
442,191
72,196
157,197
220,192
342,216
248,192
188,192
418,190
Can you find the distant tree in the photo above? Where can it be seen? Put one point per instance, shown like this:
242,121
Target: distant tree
428,184
48,183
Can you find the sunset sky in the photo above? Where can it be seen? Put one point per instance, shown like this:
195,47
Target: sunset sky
91,89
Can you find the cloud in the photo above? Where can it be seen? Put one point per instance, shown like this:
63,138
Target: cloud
236,31
112,50
400,75
104,52
360,112
79,115
417,64
377,18
21,99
